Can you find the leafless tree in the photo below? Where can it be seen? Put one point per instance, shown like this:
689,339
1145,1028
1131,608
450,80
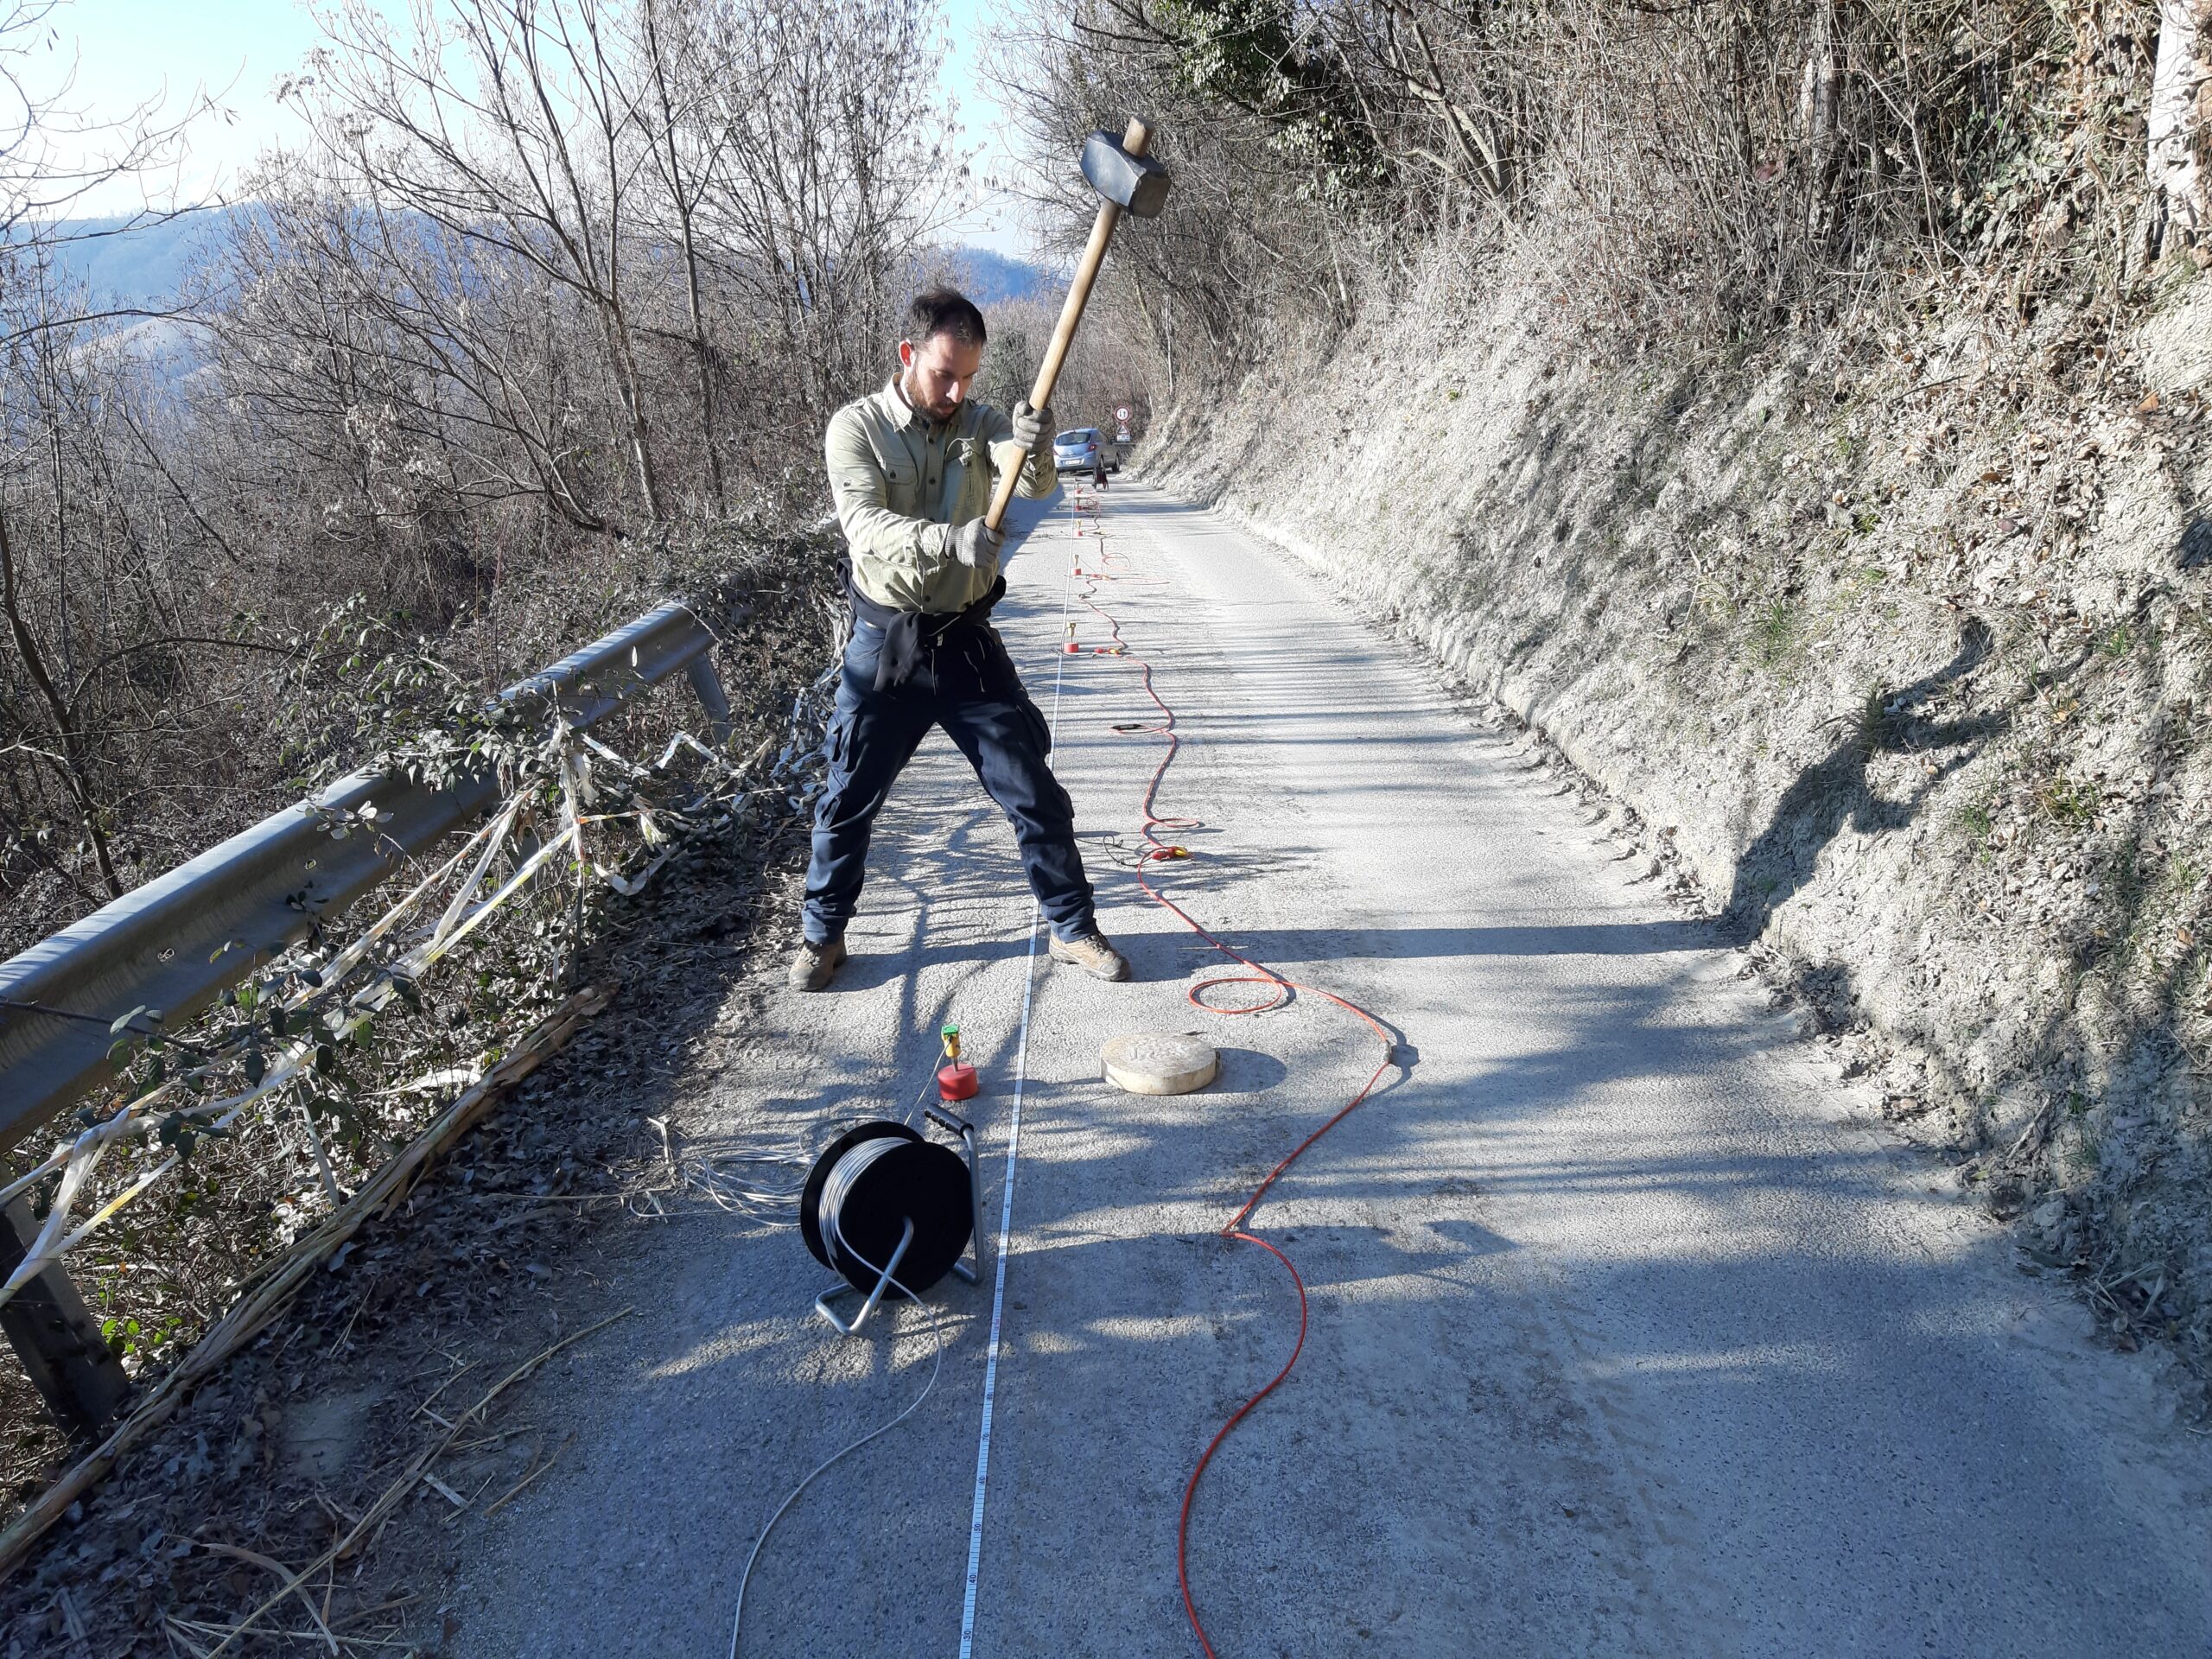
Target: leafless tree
508,125
685,151
421,365
831,171
62,504
1694,167
549,276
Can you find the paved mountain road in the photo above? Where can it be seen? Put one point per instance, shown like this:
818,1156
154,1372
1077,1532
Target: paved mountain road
1627,1337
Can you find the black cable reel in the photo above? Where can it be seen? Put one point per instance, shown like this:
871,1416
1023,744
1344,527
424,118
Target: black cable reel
888,1209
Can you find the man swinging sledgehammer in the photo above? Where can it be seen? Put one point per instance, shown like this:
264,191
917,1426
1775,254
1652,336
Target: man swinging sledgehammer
922,480
911,470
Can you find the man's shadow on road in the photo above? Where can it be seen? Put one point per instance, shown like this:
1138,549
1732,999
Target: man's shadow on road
1832,793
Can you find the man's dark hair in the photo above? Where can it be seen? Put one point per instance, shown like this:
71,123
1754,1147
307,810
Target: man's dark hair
942,311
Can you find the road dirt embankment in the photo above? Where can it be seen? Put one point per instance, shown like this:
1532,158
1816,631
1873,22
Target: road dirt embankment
1895,641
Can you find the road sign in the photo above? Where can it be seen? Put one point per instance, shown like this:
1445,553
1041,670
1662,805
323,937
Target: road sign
1121,414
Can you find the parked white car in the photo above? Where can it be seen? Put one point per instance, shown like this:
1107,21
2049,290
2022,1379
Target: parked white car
1079,449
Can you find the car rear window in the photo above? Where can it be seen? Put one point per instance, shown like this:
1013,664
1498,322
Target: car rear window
1079,436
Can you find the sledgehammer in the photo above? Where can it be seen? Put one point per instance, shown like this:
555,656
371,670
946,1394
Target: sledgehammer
1131,182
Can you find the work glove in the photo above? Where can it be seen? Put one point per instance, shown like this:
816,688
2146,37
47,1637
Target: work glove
1030,426
976,545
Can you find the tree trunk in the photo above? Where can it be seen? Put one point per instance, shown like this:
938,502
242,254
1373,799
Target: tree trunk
685,201
1820,111
71,767
703,356
631,389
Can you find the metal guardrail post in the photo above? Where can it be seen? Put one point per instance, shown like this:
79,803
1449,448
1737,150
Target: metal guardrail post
708,686
179,942
55,1335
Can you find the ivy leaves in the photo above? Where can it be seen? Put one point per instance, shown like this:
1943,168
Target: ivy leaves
1252,53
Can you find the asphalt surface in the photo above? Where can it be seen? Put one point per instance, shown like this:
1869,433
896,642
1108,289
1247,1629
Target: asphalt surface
1630,1334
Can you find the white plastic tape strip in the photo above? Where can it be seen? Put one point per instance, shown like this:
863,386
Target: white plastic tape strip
1006,1212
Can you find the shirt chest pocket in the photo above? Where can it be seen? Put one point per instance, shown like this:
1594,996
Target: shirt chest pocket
966,477
902,481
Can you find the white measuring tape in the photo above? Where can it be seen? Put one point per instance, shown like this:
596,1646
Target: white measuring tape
1006,1199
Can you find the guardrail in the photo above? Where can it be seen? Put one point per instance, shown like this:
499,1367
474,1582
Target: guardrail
162,946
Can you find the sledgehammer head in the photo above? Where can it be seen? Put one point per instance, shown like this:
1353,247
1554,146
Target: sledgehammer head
1132,180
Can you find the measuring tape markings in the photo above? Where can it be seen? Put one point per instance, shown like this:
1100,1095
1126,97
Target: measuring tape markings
1006,1205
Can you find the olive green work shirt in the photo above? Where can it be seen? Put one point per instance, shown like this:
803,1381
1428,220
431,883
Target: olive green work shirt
901,482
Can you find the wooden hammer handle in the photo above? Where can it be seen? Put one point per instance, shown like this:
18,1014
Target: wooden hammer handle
1136,141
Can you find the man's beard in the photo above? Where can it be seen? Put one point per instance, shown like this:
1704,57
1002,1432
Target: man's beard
938,412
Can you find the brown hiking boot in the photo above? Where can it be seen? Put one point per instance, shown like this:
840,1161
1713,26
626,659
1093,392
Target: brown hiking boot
1090,952
815,965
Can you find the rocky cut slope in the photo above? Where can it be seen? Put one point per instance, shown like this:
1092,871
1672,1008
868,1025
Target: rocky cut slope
1900,637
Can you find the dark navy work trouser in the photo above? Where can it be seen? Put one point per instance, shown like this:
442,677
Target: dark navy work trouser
966,684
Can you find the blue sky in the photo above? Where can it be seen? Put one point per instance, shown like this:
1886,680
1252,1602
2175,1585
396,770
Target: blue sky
128,51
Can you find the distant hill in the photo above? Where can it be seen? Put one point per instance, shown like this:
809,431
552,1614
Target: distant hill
990,279
145,264
148,265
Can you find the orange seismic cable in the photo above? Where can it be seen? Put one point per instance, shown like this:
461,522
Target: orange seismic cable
1155,849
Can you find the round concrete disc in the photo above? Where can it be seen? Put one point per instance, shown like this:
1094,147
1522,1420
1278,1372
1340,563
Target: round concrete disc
1160,1062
